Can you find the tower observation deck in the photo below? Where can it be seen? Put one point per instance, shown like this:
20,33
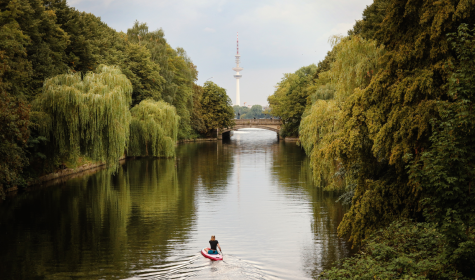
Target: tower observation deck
237,75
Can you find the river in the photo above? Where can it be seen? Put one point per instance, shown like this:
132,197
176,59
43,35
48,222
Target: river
151,219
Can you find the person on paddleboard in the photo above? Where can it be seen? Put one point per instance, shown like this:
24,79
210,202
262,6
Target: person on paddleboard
213,243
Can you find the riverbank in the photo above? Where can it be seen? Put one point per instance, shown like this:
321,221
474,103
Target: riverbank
68,173
63,175
90,168
196,140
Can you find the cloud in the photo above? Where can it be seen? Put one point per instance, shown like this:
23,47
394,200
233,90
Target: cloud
274,35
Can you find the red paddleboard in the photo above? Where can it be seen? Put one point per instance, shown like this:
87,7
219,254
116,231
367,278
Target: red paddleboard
214,257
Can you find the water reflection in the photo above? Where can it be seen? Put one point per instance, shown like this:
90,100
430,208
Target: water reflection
150,220
290,171
97,226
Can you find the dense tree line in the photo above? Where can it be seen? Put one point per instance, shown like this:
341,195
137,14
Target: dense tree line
290,99
255,112
72,89
388,119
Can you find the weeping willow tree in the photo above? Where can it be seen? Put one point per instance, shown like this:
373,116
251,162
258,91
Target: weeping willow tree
88,116
321,131
154,129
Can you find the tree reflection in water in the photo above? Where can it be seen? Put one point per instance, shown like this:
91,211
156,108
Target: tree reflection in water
296,180
150,219
103,226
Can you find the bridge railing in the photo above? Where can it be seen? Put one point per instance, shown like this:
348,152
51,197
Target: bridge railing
258,122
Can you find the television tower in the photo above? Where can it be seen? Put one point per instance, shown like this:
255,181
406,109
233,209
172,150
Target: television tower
237,75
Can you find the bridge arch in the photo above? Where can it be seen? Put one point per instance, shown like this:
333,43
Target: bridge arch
268,124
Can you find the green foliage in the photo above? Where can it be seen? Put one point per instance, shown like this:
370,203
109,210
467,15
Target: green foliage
404,250
399,138
390,117
153,130
237,113
373,16
142,73
91,42
43,39
444,172
354,60
255,112
291,98
184,78
197,122
240,111
217,111
319,133
14,119
47,41
15,69
177,71
325,64
89,116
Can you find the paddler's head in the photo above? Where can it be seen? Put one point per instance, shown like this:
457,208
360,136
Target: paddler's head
213,238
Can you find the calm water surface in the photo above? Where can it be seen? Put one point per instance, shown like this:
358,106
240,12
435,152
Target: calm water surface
152,218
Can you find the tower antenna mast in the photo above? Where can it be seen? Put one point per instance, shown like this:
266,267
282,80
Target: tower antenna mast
238,43
237,76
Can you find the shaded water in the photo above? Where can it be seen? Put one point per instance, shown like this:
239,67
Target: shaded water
151,219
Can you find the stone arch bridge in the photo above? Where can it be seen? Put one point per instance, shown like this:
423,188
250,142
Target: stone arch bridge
268,124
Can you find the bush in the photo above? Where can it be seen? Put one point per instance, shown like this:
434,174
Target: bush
404,250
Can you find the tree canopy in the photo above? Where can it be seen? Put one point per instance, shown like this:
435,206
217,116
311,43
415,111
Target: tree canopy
51,41
255,111
217,111
291,98
14,120
88,116
389,121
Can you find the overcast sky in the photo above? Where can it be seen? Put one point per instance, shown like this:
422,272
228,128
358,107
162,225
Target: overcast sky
275,36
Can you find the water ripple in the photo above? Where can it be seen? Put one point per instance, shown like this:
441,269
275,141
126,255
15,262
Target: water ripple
198,267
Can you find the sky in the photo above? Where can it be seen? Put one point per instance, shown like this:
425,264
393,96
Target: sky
275,36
